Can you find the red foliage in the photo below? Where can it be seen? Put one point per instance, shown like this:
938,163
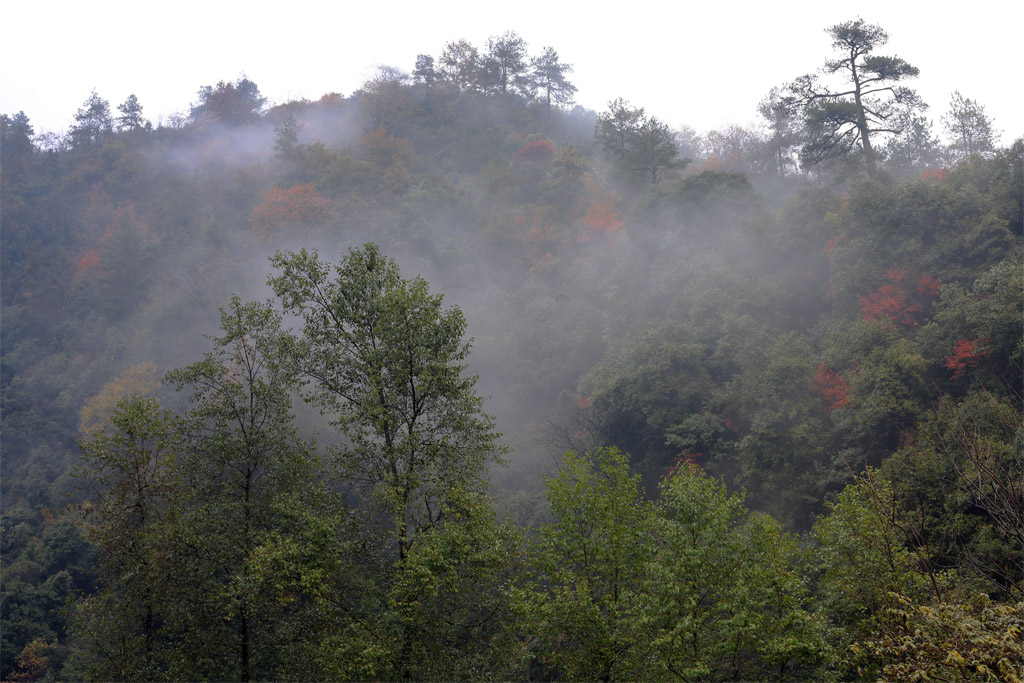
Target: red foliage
832,387
895,274
299,204
937,173
683,460
926,284
888,302
730,424
583,403
537,152
87,264
833,242
966,354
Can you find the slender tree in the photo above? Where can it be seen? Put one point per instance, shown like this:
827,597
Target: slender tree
131,118
505,64
92,122
386,361
968,128
549,79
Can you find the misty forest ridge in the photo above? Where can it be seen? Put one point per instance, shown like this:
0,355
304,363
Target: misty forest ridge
452,380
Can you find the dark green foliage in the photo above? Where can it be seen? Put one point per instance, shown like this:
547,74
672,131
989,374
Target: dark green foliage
845,123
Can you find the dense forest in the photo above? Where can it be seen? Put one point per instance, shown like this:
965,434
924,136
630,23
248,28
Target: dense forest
449,379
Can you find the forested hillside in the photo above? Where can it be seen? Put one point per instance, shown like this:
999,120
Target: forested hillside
448,379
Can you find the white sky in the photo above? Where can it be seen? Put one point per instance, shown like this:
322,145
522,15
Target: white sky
703,64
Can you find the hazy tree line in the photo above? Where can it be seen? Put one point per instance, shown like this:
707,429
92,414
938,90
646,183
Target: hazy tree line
740,405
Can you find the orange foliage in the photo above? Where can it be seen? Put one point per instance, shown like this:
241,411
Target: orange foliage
116,223
300,204
600,216
536,152
712,163
33,661
86,265
936,173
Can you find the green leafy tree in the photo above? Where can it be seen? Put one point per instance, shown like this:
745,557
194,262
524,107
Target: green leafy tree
135,471
593,558
784,132
870,102
93,122
915,150
549,79
654,149
245,465
457,604
864,566
723,597
131,118
617,126
635,142
460,65
968,128
382,357
505,66
424,71
16,137
969,640
286,139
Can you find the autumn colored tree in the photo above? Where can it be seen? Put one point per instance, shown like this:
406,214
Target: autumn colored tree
966,354
536,152
601,215
294,206
889,304
832,387
231,104
137,381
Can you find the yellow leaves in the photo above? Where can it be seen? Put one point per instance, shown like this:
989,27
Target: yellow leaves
138,380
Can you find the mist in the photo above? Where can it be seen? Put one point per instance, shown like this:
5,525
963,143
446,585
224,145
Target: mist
781,322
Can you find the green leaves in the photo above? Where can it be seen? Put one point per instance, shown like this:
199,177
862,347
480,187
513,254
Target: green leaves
593,560
385,360
690,587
